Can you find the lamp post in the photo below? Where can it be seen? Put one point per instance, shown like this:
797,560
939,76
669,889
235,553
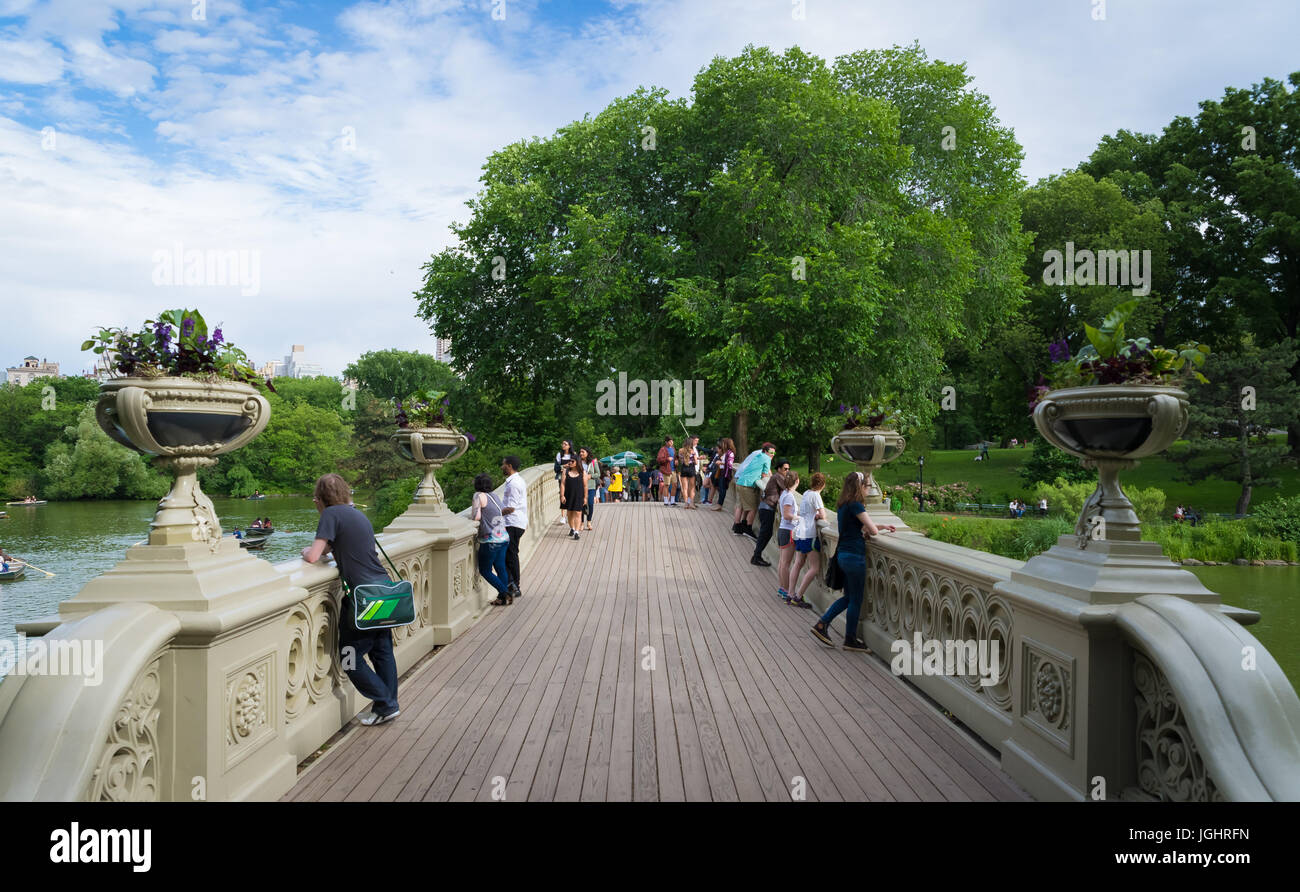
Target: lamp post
921,464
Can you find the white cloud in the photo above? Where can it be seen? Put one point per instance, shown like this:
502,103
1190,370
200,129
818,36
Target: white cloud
29,62
230,134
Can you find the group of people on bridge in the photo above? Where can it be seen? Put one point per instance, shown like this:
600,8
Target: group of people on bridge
767,492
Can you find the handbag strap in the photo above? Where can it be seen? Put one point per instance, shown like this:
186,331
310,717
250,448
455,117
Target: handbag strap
390,560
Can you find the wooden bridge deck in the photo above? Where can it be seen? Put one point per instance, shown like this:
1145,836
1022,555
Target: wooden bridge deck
549,697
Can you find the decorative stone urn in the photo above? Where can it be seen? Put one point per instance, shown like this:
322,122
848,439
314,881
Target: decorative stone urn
1109,427
431,448
869,448
184,424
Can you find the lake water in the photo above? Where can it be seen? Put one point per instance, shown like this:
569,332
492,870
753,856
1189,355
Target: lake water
79,540
76,541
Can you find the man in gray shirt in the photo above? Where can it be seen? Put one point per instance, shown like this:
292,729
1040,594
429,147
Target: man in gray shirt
346,533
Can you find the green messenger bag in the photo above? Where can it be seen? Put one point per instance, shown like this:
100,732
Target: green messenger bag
382,605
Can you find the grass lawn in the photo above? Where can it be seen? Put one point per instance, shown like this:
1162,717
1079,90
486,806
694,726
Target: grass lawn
999,479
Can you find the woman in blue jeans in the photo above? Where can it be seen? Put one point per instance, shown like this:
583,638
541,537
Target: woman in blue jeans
493,540
855,526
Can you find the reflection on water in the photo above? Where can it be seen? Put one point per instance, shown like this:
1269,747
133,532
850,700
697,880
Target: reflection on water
76,541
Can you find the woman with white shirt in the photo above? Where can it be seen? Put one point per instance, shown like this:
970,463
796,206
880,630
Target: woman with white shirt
807,544
787,506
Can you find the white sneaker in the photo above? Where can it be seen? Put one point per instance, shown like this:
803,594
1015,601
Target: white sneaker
371,718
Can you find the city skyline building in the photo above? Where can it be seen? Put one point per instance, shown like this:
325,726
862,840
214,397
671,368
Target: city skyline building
31,369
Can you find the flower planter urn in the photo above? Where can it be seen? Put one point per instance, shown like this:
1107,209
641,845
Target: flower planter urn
1110,427
183,424
869,448
431,448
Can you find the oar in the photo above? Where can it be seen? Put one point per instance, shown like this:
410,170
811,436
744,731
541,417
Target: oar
38,569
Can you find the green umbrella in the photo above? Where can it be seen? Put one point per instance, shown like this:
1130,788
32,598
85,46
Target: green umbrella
622,459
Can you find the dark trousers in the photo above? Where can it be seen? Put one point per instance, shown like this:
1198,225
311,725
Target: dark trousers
591,505
765,517
720,487
855,581
379,683
512,554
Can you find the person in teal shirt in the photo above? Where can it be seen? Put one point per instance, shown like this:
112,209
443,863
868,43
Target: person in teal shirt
757,465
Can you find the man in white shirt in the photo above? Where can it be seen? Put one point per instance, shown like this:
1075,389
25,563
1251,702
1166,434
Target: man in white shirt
515,512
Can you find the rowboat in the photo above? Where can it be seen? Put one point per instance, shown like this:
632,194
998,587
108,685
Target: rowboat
255,538
38,502
256,498
15,571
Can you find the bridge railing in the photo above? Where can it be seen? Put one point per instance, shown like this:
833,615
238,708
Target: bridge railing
217,685
1118,674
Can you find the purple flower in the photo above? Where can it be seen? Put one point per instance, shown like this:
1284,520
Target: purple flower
1058,351
470,437
187,327
216,338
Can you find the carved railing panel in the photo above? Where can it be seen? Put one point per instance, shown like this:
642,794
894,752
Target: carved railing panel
313,669
904,597
128,769
1170,767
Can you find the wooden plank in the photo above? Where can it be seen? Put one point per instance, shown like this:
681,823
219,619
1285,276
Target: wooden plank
440,745
550,696
597,583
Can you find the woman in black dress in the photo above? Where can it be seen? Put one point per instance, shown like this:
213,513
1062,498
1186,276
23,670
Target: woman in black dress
573,494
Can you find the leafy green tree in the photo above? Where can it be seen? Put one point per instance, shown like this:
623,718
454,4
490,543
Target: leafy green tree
1230,185
1250,392
86,464
1048,464
300,443
375,459
321,391
394,374
35,418
691,220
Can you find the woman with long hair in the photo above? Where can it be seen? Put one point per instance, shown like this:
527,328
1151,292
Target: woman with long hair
724,468
573,500
807,544
787,507
688,458
561,463
856,526
591,469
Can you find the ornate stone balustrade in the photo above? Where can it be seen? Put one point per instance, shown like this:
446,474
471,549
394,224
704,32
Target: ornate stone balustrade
251,651
1120,675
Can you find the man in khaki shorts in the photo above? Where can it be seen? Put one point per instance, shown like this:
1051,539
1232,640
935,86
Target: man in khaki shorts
756,466
667,461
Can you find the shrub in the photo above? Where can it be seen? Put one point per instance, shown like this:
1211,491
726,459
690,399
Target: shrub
1279,519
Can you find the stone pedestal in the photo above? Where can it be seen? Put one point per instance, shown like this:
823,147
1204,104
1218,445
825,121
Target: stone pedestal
451,566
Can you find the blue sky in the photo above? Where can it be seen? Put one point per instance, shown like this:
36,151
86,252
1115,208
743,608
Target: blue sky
337,141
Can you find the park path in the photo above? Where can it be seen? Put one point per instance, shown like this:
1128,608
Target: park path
552,698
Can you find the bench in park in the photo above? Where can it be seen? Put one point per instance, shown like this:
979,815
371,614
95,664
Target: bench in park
981,508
